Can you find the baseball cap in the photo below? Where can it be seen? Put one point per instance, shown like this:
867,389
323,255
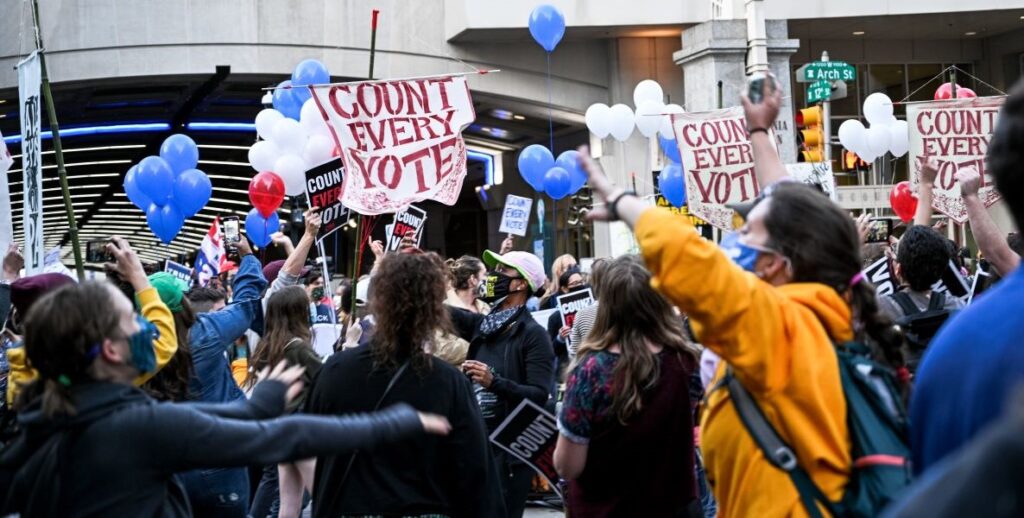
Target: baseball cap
170,289
27,290
527,264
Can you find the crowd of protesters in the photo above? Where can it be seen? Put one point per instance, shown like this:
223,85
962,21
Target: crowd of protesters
706,380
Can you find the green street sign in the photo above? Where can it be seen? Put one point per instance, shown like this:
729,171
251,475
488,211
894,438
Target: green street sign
819,91
829,71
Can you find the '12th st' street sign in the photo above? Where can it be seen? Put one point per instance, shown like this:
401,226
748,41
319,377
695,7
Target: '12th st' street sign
819,91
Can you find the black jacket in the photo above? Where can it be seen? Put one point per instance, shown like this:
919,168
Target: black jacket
527,369
117,456
452,476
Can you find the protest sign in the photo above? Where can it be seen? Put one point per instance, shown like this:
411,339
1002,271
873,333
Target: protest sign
401,141
52,264
529,434
29,80
411,218
718,162
880,275
516,216
179,270
816,174
953,282
324,191
571,303
542,316
957,134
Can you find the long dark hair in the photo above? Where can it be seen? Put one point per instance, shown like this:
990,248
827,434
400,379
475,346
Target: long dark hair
287,318
171,383
821,241
60,330
631,315
409,291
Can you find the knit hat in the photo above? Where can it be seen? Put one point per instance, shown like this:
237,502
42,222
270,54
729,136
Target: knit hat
27,290
170,288
527,264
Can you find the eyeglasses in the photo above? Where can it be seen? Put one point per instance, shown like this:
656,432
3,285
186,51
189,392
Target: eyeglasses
508,271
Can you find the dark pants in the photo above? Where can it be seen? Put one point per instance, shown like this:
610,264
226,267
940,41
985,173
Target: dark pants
217,492
267,501
516,479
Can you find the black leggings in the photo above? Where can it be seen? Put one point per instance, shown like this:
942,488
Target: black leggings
516,479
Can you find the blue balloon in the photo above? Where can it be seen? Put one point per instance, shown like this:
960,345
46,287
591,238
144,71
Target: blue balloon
131,188
671,149
285,100
259,228
308,72
155,179
164,221
547,26
570,161
672,184
534,162
557,183
180,152
192,190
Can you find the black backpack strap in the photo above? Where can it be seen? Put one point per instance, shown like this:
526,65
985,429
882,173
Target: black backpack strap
774,448
937,300
906,303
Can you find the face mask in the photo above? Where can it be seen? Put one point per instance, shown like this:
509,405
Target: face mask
312,314
495,287
318,293
337,301
141,345
743,255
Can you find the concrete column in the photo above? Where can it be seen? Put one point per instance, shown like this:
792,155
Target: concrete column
714,63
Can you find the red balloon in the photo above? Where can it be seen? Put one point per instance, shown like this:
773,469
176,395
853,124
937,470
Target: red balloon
903,202
266,192
945,91
965,93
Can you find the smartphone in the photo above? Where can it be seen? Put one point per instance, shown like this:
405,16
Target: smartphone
758,86
231,235
879,230
96,252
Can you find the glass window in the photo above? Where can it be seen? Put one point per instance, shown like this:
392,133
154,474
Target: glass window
918,77
890,80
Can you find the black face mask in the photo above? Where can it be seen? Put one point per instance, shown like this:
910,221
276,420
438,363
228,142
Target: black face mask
496,286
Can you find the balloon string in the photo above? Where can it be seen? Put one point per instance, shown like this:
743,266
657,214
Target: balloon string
551,124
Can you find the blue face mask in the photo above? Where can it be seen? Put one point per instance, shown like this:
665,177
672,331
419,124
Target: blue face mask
743,255
141,345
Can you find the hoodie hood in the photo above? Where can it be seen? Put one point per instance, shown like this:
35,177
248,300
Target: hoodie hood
832,311
92,401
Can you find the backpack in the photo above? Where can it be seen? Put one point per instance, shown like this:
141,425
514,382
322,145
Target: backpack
920,326
877,424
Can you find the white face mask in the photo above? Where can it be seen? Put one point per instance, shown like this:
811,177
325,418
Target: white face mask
337,301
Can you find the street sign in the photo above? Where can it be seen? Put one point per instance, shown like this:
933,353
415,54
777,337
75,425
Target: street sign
819,91
826,70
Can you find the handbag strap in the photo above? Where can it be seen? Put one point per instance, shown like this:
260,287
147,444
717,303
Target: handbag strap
778,453
387,390
937,300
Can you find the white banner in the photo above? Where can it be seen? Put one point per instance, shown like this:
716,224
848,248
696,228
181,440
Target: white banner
6,221
401,140
32,162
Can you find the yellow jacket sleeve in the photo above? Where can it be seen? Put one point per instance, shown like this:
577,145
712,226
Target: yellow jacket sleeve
733,313
21,374
156,312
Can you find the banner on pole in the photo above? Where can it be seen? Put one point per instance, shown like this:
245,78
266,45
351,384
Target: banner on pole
957,133
515,218
411,218
529,434
29,80
179,270
401,141
6,221
324,191
211,254
816,174
571,303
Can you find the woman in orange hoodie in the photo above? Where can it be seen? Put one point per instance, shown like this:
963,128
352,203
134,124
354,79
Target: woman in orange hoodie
772,314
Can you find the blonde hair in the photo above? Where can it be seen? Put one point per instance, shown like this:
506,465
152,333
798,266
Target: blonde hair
561,264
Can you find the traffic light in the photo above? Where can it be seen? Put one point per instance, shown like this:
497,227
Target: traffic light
811,136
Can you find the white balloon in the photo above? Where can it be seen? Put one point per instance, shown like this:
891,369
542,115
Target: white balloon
599,119
312,121
622,122
265,121
318,150
648,90
648,117
852,135
878,109
263,155
665,129
292,170
899,135
288,136
878,140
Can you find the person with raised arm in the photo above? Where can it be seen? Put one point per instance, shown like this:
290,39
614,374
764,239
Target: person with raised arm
990,240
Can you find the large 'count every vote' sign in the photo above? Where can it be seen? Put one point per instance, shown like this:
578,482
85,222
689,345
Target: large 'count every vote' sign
401,141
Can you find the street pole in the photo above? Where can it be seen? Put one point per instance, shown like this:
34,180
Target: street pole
826,121
58,150
357,256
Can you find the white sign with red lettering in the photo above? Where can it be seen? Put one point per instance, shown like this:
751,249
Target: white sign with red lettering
718,161
401,140
957,133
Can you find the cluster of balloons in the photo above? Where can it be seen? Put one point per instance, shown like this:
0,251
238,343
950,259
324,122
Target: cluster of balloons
652,116
547,26
168,187
903,201
945,92
295,136
556,178
885,134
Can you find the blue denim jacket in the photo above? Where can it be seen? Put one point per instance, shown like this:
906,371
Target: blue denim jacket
214,332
